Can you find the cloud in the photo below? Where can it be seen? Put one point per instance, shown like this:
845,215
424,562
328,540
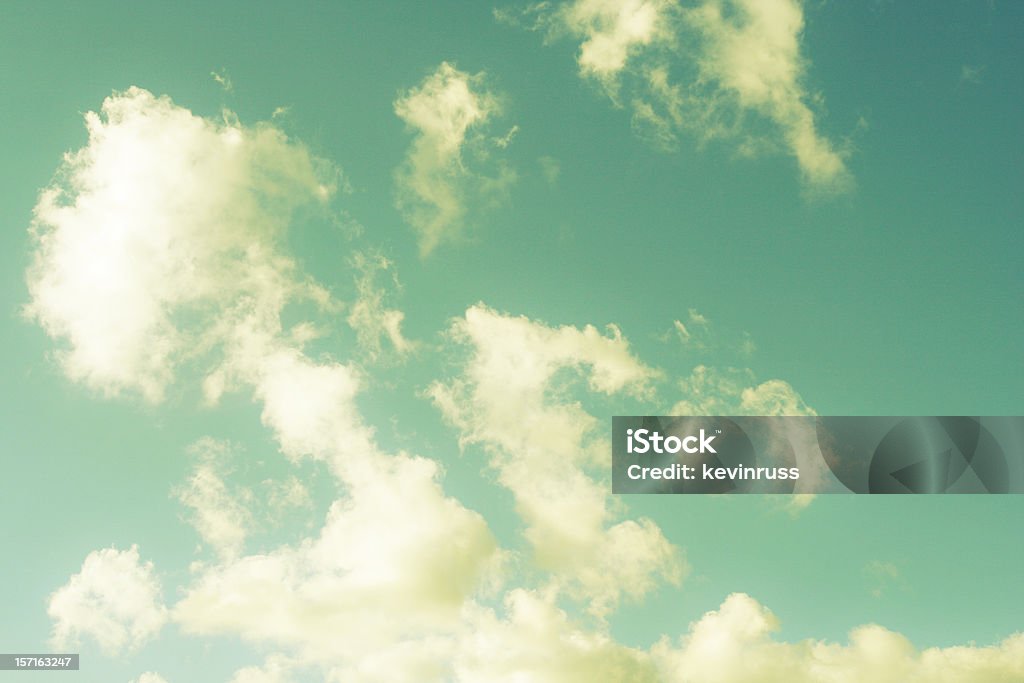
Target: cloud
751,50
694,333
971,74
163,244
220,514
550,169
435,183
369,317
706,70
160,228
798,502
734,644
882,576
277,669
615,31
542,449
396,585
223,80
285,495
150,677
538,642
114,599
732,391
391,567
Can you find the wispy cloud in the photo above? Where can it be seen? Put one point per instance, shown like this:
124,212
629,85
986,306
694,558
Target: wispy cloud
220,513
704,70
373,322
882,576
437,183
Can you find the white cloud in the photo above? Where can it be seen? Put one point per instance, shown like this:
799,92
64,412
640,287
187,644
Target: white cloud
537,642
751,49
732,391
550,169
150,677
165,244
695,332
285,495
391,568
798,502
220,514
277,669
369,317
882,576
704,70
160,225
614,31
114,599
542,449
435,182
734,644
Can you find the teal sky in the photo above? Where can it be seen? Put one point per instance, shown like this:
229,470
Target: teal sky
893,287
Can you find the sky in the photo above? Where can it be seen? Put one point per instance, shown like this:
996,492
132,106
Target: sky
315,318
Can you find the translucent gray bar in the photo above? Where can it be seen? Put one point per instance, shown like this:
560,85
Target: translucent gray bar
818,454
37,662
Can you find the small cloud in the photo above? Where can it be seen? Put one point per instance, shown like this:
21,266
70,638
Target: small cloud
684,334
697,318
223,80
882,576
150,677
372,321
694,334
550,169
747,345
971,74
506,139
796,503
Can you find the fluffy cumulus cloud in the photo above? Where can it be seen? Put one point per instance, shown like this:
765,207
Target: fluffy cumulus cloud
545,450
437,184
114,600
161,219
536,641
714,70
376,594
734,644
386,577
